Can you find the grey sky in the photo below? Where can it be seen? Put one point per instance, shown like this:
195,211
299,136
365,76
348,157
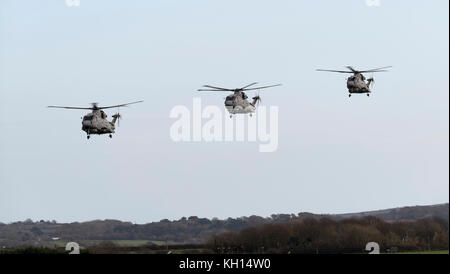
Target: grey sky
335,154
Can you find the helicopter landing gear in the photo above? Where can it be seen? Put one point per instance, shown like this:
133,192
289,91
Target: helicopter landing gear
110,135
250,115
231,116
89,136
349,95
368,95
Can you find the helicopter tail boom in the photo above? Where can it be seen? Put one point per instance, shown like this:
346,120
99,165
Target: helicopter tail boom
115,118
256,99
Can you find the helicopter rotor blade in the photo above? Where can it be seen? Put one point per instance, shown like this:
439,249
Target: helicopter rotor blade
91,108
382,69
377,69
352,69
213,90
122,105
263,87
367,71
95,107
249,85
339,71
217,88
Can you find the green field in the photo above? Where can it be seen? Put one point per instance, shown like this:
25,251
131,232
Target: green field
121,243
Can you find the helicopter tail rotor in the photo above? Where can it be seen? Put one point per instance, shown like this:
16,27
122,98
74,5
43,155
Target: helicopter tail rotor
371,81
256,100
116,117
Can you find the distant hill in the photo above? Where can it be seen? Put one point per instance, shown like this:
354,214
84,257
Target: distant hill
409,213
186,230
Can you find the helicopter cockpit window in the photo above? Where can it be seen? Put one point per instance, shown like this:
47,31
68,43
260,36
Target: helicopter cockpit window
103,114
244,96
88,118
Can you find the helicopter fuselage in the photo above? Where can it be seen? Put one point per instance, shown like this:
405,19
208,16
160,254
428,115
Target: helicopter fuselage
96,123
357,84
238,103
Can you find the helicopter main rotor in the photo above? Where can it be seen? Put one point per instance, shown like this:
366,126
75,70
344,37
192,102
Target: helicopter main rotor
247,87
354,71
96,107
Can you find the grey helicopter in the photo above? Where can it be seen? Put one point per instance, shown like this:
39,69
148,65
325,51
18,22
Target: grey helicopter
237,102
357,82
96,122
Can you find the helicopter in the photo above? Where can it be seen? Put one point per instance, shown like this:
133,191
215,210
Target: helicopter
237,102
96,122
357,82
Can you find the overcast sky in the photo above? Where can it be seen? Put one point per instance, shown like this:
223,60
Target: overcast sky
335,155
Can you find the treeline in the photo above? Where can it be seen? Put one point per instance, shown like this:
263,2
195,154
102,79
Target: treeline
191,230
329,236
